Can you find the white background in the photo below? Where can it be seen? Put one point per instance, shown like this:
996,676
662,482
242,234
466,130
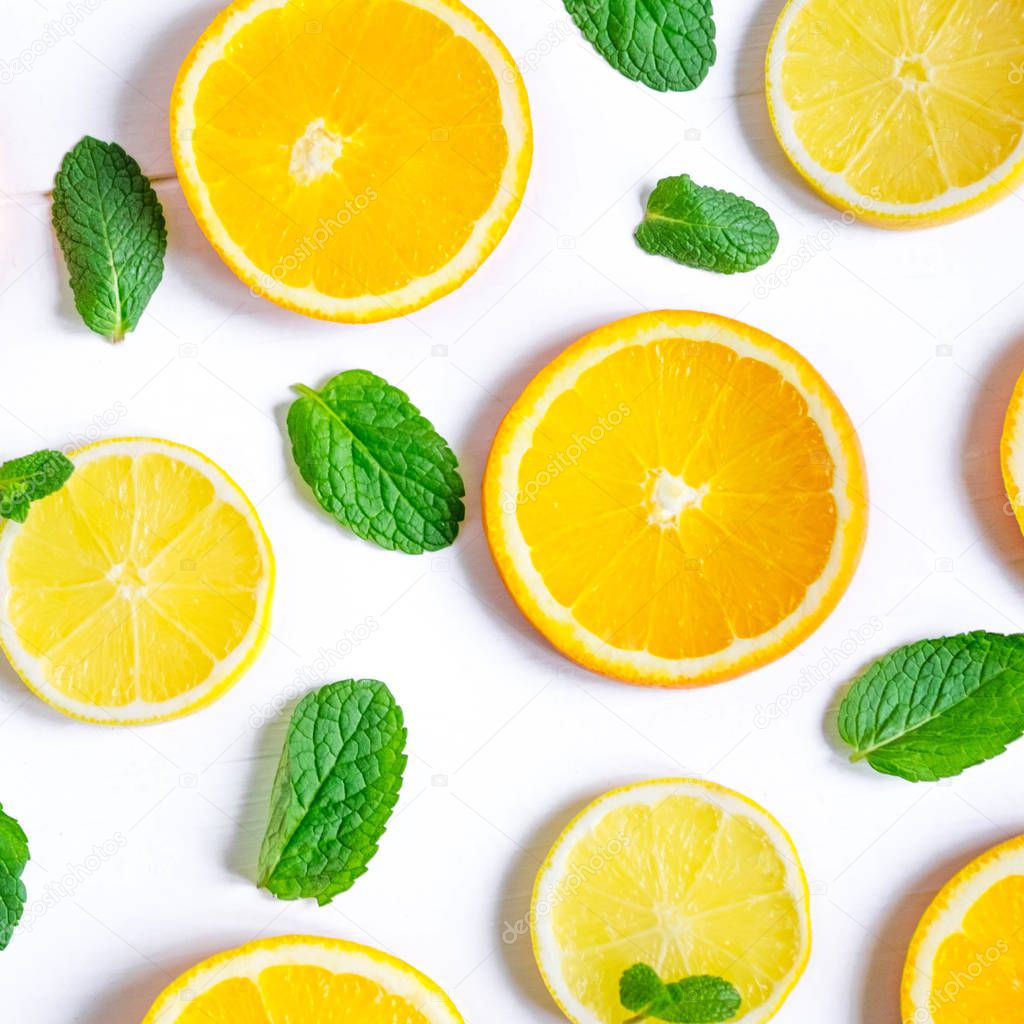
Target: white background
921,334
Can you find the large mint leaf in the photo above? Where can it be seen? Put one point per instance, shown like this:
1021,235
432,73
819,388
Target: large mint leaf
336,786
111,228
706,228
668,45
13,858
375,464
30,478
936,707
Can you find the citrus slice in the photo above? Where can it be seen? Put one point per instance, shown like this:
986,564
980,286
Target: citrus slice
300,979
682,875
905,113
351,160
966,958
141,590
1011,451
676,499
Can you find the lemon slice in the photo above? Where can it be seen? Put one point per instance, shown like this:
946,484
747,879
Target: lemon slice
682,875
905,113
1011,451
965,960
676,499
351,160
141,590
301,979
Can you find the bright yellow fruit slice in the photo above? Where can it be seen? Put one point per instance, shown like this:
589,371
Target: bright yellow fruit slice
966,959
351,159
676,499
679,874
905,112
141,590
303,980
1011,451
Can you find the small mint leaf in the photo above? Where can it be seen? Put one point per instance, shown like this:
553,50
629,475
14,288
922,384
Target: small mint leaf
30,478
706,228
640,986
336,786
14,856
668,45
936,707
111,228
375,464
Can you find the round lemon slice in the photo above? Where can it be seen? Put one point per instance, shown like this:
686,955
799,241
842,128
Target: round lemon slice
303,979
682,875
141,590
676,499
905,113
351,160
965,959
1011,451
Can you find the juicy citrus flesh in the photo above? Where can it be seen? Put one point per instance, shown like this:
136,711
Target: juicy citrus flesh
902,109
352,159
967,956
682,491
139,587
303,979
683,876
1011,451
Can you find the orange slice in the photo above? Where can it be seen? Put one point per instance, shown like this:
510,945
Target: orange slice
299,980
676,499
351,159
966,958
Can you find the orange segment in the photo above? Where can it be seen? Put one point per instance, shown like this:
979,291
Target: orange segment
676,499
966,958
301,979
351,160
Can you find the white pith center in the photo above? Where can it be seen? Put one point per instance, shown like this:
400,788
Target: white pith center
913,70
671,496
129,579
315,152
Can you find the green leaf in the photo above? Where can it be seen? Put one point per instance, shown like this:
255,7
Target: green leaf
14,856
706,228
668,45
375,464
933,708
701,999
111,228
336,786
30,478
640,986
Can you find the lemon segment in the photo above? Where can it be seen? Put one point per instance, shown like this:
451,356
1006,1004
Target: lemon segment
351,160
139,591
679,874
303,979
905,113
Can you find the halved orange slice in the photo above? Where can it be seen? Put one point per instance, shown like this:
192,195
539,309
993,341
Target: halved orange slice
676,499
300,979
351,159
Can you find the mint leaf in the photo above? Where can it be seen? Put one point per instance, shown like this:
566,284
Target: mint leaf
375,464
30,478
933,708
640,986
14,856
336,786
701,999
668,45
706,228
111,228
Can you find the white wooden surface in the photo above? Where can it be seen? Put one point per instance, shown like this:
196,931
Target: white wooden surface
921,334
